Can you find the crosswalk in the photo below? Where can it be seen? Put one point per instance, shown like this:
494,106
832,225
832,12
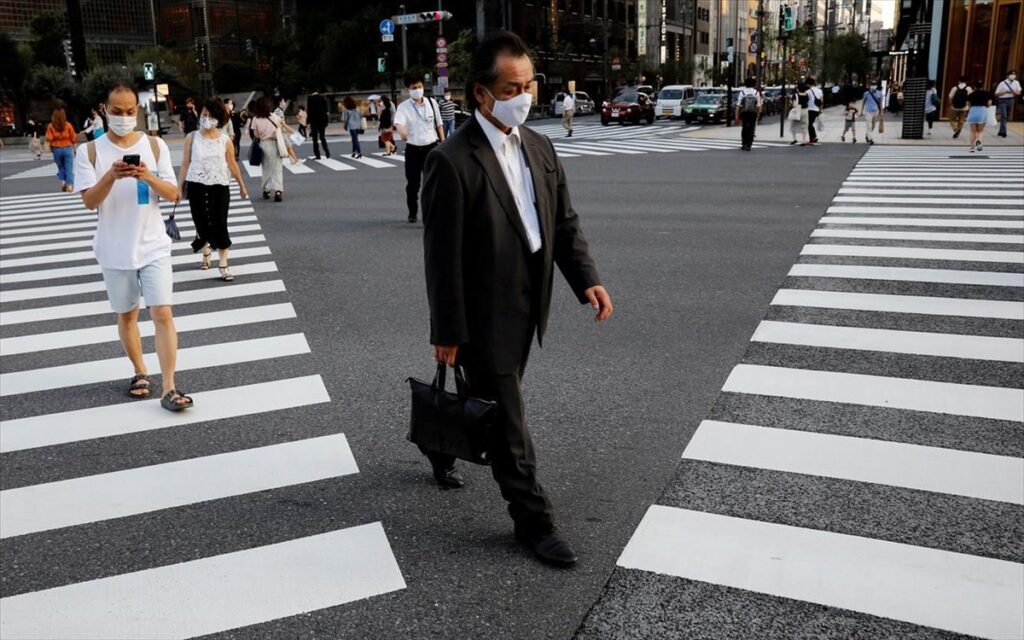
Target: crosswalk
866,454
57,337
588,141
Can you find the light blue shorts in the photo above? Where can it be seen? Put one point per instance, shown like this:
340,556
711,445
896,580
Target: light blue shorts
154,282
977,115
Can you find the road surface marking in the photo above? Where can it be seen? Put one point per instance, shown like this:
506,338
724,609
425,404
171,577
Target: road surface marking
376,164
932,211
146,415
931,587
91,224
989,238
579,151
924,222
75,256
334,165
980,202
912,253
945,345
78,244
214,594
1003,191
298,168
907,274
928,305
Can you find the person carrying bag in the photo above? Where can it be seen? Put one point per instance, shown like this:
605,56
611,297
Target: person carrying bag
453,424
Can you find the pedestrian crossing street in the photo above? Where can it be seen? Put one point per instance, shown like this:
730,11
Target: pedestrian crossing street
866,454
588,140
107,529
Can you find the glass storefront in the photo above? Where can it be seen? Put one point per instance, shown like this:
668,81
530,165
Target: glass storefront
984,39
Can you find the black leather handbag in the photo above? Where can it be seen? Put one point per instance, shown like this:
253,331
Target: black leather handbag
455,424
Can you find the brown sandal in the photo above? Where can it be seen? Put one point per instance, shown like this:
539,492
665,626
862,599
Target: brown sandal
170,401
138,382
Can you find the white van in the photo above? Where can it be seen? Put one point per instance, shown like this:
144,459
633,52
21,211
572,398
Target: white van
672,99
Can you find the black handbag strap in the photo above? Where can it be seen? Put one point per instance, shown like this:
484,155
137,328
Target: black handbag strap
460,378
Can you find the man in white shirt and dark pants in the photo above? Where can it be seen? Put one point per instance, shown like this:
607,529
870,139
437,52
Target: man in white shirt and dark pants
568,111
1007,92
122,176
418,121
748,108
815,98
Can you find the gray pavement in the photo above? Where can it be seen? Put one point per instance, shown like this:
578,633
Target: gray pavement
692,246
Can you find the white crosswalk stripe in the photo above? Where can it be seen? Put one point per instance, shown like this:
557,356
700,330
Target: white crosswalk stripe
874,331
51,312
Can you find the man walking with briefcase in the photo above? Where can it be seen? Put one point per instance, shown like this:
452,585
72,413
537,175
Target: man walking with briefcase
497,218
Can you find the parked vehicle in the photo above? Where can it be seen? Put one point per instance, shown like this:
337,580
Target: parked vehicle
648,91
709,107
628,105
584,103
772,100
672,99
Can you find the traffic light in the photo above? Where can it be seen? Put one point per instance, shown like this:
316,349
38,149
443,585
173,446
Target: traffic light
382,65
148,71
788,20
435,16
69,57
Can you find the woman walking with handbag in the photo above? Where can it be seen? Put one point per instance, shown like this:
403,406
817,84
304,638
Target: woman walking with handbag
353,120
263,132
798,115
60,134
206,169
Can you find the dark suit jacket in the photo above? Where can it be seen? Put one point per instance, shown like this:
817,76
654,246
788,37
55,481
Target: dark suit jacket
317,110
487,293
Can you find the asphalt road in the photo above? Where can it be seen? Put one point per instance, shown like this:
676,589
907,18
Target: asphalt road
692,246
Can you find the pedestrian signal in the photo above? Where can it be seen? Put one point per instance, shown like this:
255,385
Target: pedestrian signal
148,71
382,65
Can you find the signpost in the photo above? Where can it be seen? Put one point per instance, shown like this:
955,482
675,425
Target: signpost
616,64
441,50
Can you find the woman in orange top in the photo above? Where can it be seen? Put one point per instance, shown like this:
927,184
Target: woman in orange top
61,136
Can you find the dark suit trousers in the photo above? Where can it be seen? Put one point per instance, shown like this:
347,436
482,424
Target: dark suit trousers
812,116
749,121
318,133
415,158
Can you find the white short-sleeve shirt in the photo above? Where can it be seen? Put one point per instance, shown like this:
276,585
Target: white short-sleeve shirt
569,102
420,120
129,235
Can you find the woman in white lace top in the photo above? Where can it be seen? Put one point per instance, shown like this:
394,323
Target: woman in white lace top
206,169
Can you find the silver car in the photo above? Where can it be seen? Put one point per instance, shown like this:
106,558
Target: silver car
584,104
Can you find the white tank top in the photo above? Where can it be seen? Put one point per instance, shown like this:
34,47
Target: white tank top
209,164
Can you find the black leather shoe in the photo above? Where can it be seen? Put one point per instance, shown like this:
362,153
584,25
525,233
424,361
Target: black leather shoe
449,478
411,219
550,548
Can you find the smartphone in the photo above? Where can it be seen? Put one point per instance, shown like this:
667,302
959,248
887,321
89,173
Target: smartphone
132,159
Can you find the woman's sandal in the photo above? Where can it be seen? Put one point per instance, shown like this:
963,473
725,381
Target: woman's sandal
170,401
205,264
139,382
266,195
225,273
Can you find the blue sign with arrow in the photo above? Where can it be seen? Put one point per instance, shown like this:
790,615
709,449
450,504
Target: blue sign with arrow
387,27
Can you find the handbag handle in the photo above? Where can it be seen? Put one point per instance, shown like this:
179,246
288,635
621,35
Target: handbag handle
460,378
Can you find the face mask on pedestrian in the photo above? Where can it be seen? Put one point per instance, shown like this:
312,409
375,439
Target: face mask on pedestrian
121,125
448,96
416,94
1013,76
512,112
207,123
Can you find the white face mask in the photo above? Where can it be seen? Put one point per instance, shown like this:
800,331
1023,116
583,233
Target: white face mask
512,112
416,94
1013,76
121,125
207,123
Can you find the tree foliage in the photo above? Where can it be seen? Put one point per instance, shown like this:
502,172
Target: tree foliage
846,56
98,81
48,31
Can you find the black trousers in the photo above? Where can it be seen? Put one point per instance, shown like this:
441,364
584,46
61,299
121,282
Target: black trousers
209,207
749,121
811,117
318,132
237,140
415,157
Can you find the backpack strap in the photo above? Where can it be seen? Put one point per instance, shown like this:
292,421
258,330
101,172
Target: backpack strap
90,151
154,147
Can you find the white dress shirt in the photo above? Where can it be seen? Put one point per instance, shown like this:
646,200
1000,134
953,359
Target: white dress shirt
1007,88
509,150
420,120
569,102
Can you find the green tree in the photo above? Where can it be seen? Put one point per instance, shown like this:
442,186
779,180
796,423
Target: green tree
231,76
98,81
846,56
13,73
48,31
55,85
460,51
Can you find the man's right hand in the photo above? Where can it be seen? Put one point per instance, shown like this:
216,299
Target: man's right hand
446,354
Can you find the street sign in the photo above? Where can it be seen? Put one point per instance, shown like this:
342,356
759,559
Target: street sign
163,89
442,65
442,81
442,57
616,64
441,42
408,18
387,37
442,72
387,27
753,47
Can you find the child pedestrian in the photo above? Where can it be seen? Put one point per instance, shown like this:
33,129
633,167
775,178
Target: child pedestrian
850,113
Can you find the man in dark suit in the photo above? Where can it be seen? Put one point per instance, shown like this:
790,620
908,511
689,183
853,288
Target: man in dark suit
318,111
497,219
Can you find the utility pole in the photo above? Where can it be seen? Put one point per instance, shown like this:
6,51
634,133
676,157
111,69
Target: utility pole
605,65
760,41
405,50
440,23
77,28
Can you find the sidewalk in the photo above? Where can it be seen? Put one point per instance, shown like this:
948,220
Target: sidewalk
942,134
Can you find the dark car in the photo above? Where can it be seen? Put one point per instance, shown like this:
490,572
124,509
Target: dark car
628,105
709,107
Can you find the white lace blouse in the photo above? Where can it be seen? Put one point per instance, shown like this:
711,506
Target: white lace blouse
209,163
